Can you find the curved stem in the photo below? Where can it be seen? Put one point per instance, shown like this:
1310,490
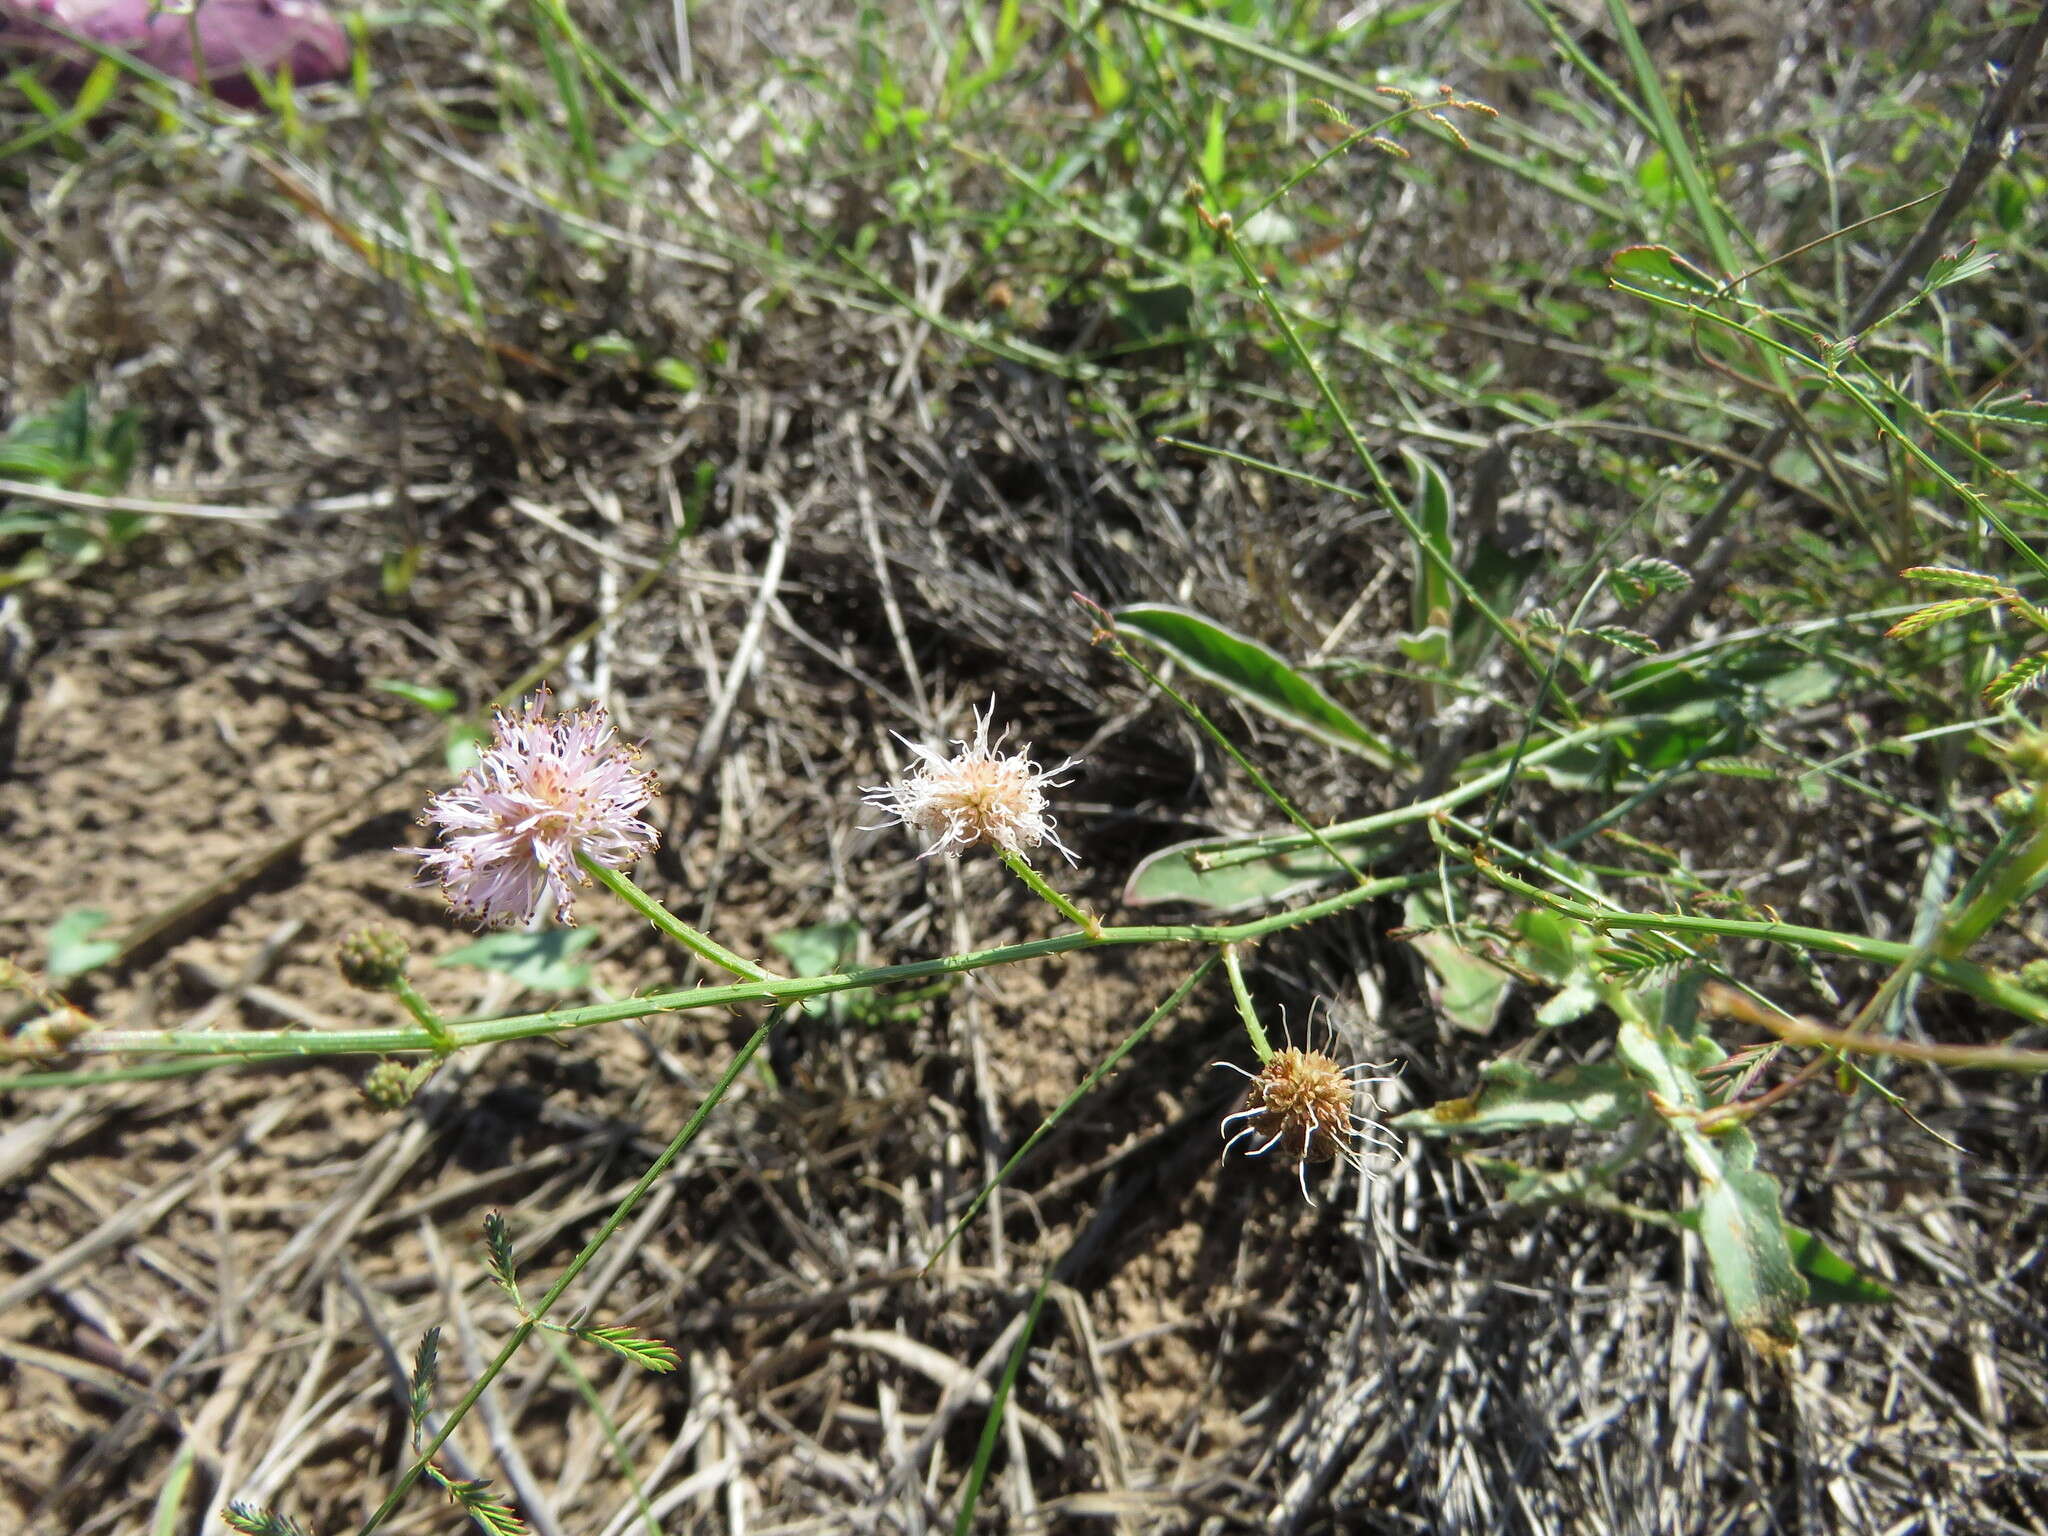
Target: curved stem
1092,926
1233,967
668,924
1981,982
421,1009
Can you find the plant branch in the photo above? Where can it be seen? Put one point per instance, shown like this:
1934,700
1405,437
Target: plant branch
1979,157
590,1250
257,1044
697,943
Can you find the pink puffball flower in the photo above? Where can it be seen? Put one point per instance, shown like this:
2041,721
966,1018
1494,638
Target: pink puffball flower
978,797
543,793
217,41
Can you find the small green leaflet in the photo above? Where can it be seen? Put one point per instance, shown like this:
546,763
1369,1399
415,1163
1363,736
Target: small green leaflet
71,947
1935,613
649,1354
1958,266
1951,576
253,1520
2017,678
543,961
426,1370
1660,267
498,1255
479,1503
1636,581
1631,640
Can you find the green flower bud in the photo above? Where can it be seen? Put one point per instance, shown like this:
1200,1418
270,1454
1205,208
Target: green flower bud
373,959
390,1085
2028,755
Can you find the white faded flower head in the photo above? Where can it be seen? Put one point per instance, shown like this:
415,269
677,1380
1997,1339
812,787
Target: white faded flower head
978,797
1302,1104
543,792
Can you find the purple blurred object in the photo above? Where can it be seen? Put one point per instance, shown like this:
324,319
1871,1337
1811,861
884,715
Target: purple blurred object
232,35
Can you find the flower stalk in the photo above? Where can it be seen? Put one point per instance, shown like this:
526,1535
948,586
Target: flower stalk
401,987
694,940
1233,967
1087,922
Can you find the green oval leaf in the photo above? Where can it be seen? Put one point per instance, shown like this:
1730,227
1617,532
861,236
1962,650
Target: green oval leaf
1743,1230
1255,675
1435,510
544,961
1832,1280
1514,1097
440,701
1470,989
1221,877
1660,268
71,947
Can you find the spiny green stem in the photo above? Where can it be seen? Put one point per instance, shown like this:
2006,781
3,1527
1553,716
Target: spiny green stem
1233,967
697,943
1090,925
1231,853
251,1044
437,1031
2007,886
1978,981
590,1250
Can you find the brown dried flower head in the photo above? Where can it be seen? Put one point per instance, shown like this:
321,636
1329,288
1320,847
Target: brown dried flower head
1303,1105
1300,1103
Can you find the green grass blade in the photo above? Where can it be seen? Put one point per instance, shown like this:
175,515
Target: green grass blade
991,1427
